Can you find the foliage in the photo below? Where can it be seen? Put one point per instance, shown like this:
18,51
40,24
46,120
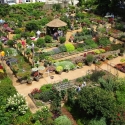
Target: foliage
56,7
65,64
71,96
69,47
59,68
62,120
97,101
97,121
6,88
17,103
108,84
104,41
48,39
46,87
120,93
42,115
62,40
44,21
23,119
40,42
10,43
32,26
90,43
37,123
96,75
17,31
4,9
89,58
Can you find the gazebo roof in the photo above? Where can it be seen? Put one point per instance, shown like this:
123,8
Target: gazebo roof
56,23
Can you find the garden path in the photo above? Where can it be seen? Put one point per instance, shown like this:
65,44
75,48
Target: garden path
69,33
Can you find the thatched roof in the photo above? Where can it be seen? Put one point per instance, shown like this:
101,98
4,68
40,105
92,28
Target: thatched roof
56,23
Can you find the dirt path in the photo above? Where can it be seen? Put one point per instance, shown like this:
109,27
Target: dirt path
69,33
68,114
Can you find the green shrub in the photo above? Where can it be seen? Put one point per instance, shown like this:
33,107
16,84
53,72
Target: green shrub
65,64
10,43
59,68
97,51
69,47
104,41
48,39
40,42
46,87
62,120
62,48
57,7
6,88
62,39
30,26
17,31
122,60
17,103
32,33
89,58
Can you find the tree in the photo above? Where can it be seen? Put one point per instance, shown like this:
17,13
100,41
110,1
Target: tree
32,26
97,101
101,121
62,120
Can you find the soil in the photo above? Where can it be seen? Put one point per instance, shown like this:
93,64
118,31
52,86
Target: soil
67,113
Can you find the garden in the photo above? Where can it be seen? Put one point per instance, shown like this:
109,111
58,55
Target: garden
94,93
32,47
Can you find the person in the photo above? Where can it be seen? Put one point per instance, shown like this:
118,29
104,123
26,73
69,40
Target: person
23,43
38,33
32,47
79,88
2,54
84,84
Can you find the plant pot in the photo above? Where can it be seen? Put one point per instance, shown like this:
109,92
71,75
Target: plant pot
29,81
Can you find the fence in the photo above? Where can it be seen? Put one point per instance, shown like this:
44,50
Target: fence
110,69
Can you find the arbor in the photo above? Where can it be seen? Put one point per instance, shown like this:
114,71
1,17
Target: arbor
97,101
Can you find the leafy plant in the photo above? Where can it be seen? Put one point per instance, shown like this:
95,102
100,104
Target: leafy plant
46,87
62,120
48,39
59,68
62,40
40,42
89,58
17,103
69,47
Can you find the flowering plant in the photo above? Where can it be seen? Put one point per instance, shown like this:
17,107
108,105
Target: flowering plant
35,90
17,103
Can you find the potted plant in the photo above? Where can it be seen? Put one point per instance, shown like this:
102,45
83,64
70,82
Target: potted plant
29,79
79,65
59,69
89,59
121,51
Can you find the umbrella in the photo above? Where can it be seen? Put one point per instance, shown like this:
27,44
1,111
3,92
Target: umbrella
56,23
